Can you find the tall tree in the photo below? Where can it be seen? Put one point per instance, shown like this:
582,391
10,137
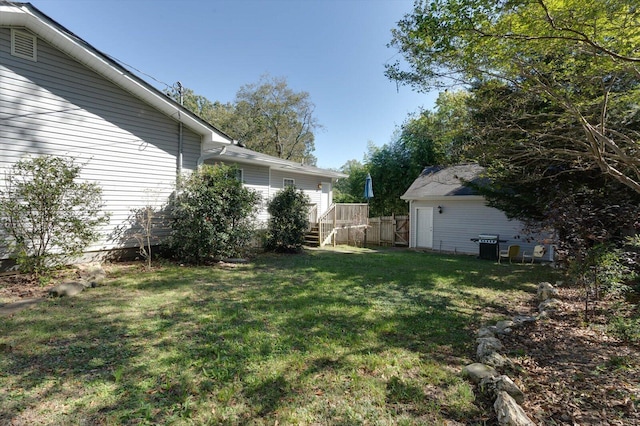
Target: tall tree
578,56
392,173
223,116
428,138
439,136
281,121
267,116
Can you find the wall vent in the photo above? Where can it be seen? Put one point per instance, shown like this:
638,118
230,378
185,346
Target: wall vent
23,45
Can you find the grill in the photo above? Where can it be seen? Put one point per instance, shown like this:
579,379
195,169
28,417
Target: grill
489,246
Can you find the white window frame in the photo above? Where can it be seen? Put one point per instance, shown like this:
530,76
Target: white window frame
288,182
240,175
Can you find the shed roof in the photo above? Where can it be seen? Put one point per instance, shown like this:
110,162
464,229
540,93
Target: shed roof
441,181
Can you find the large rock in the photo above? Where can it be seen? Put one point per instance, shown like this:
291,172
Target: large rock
521,319
550,305
487,332
494,359
478,371
68,289
91,273
509,412
495,384
486,345
546,291
504,327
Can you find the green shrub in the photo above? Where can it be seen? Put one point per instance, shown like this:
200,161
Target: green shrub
289,221
604,270
626,327
213,216
47,214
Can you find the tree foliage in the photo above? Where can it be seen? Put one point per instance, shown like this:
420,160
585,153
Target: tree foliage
427,138
213,216
282,121
584,206
392,172
48,214
267,116
289,220
579,57
351,188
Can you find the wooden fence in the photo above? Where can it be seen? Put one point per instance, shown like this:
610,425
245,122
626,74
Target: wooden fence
382,231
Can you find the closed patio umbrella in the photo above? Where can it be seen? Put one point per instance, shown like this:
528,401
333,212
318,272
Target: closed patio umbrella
368,194
368,187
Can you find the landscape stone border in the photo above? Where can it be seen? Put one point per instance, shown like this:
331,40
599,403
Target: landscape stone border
486,372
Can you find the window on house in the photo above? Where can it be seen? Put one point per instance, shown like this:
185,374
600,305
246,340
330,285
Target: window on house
288,182
23,45
239,175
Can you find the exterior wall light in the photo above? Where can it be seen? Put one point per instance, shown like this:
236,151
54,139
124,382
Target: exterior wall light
440,209
319,186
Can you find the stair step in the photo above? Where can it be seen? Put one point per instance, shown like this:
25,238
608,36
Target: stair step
312,238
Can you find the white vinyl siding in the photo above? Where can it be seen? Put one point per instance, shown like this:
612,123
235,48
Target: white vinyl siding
462,219
257,179
57,106
307,183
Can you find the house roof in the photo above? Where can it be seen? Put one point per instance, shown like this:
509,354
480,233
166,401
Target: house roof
238,154
25,16
438,181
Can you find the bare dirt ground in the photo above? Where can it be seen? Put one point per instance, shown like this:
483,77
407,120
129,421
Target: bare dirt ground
573,372
14,288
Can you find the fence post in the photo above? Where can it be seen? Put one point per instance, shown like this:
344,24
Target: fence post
366,225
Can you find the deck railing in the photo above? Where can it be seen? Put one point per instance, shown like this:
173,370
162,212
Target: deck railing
340,216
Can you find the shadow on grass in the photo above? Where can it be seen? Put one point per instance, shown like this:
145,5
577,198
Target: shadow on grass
58,344
158,347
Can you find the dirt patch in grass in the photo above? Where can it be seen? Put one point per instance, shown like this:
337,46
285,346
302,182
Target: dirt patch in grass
17,287
14,288
575,372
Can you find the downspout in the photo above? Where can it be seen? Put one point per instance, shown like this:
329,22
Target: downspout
180,137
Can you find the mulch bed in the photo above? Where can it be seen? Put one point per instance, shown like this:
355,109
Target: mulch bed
14,288
573,372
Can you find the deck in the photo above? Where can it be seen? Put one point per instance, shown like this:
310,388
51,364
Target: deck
338,217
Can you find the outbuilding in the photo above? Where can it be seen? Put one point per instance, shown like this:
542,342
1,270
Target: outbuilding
447,215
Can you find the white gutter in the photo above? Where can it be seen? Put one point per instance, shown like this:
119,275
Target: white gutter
23,16
266,160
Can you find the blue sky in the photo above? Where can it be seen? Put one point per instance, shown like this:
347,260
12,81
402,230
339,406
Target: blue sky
333,49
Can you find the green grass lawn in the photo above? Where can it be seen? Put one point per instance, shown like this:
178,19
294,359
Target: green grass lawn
321,338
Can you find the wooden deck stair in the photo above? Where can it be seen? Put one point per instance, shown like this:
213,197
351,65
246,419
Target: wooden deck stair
312,238
324,227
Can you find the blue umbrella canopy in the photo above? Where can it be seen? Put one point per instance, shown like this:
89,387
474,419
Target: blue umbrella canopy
368,187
